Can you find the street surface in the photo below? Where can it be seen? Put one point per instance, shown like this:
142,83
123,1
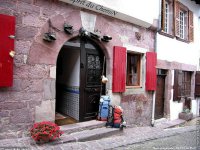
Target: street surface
183,141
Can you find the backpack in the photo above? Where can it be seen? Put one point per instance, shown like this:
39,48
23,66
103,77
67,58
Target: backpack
115,117
104,108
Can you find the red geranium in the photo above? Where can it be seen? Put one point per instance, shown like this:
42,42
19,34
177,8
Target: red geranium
45,131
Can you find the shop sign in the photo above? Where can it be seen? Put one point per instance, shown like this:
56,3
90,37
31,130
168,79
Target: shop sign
92,6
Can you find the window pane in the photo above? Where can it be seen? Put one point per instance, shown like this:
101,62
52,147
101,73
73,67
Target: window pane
133,70
166,28
181,24
184,83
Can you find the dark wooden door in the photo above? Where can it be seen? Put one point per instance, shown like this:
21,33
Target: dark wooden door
91,67
159,103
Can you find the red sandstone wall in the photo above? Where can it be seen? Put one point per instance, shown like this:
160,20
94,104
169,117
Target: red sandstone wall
34,58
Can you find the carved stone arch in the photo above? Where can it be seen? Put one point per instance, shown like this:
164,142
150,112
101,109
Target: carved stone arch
43,52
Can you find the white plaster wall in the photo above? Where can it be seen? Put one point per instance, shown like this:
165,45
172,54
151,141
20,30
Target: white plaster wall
71,67
134,8
171,49
138,12
174,50
195,107
175,107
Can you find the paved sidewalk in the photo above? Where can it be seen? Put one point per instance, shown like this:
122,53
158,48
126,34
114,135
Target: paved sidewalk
130,136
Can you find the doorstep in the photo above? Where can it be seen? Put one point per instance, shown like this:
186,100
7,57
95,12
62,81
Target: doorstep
88,135
82,126
85,131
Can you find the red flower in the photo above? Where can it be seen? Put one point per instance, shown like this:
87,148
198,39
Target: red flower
45,131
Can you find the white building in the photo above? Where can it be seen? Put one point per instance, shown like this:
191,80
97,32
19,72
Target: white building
178,52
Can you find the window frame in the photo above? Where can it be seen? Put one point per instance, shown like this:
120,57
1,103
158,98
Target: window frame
170,23
182,24
182,85
169,17
139,64
166,21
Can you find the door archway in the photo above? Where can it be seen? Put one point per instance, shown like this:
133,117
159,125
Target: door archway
78,79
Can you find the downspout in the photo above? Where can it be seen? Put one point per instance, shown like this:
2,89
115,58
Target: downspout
153,109
155,50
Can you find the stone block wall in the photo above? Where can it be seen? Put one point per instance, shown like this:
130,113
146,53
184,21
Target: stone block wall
137,109
33,92
32,85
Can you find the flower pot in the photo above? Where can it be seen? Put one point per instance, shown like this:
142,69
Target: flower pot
43,139
185,116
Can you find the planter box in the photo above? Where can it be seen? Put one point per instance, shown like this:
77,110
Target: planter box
185,116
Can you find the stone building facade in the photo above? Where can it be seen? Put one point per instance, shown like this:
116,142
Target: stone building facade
32,97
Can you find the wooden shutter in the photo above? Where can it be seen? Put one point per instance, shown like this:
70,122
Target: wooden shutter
197,84
190,26
119,69
151,77
176,16
163,16
7,28
176,86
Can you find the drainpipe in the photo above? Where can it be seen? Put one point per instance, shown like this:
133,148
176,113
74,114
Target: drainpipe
153,109
155,44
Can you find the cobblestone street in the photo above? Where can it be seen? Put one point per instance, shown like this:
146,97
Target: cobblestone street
182,141
135,138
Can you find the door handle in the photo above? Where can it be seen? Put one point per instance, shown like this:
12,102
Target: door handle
12,53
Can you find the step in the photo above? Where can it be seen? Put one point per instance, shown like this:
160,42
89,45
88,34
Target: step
88,135
170,124
88,125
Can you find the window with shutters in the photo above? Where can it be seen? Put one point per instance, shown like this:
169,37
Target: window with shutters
182,84
167,18
176,20
133,69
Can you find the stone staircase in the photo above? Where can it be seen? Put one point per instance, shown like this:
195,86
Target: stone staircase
86,131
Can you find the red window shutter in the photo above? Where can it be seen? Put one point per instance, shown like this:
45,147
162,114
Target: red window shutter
177,10
119,69
7,28
151,77
197,84
191,27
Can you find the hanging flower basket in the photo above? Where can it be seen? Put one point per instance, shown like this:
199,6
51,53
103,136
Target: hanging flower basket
46,131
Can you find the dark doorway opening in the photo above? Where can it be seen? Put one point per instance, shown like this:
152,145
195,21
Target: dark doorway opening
78,80
160,94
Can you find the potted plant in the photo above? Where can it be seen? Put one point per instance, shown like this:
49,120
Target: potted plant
45,132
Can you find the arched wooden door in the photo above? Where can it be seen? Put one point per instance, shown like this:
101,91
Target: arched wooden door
91,67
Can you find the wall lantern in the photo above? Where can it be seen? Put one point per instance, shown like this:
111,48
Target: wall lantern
68,28
106,38
84,33
49,36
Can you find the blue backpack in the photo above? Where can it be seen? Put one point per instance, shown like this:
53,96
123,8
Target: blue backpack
104,108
